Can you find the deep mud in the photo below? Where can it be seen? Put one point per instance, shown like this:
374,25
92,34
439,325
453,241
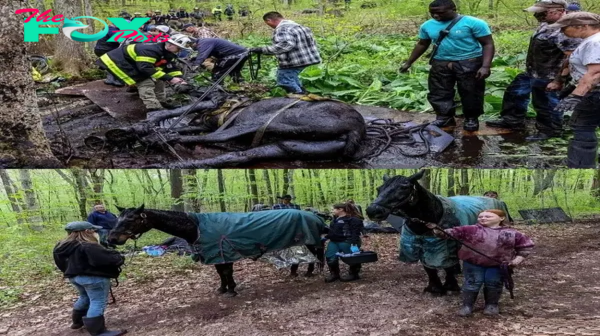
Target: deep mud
557,293
488,148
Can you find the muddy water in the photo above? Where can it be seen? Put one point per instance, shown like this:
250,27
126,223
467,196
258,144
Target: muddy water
488,148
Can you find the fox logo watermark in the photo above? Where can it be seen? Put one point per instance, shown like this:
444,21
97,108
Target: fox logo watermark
34,28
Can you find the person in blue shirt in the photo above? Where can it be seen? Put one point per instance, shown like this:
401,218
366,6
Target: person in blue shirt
104,219
463,59
286,203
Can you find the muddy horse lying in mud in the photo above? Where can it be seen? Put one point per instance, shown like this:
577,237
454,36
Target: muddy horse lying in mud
405,197
277,128
221,238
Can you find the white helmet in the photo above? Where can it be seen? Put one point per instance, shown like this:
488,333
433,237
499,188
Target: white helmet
180,40
162,28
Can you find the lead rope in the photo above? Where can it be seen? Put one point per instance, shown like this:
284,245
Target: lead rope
112,295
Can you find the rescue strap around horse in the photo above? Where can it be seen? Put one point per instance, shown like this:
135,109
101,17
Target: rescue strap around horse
505,269
205,94
261,132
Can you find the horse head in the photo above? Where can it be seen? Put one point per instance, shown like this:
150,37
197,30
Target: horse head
131,224
396,194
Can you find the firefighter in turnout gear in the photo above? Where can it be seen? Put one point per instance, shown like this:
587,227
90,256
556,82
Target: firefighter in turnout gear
148,66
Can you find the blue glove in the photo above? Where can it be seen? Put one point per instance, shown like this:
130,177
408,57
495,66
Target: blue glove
324,239
354,249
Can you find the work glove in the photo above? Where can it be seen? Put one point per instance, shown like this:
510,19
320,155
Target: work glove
257,50
568,104
354,249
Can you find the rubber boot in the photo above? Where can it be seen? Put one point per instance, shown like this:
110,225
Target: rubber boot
96,327
352,274
582,154
77,317
492,297
469,299
334,272
471,125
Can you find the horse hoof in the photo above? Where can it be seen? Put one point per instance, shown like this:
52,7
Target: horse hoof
231,294
222,290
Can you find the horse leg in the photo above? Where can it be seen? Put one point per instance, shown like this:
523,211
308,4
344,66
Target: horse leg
223,136
223,288
451,284
311,266
230,282
434,286
282,150
294,270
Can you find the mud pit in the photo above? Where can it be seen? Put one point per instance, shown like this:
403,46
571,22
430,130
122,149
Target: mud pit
488,148
557,293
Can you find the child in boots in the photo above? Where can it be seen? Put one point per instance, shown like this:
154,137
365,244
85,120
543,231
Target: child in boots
491,237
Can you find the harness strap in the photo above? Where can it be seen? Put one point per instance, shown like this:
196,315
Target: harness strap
261,132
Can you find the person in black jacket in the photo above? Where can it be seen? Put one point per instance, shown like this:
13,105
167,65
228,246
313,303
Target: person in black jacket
344,237
89,267
102,47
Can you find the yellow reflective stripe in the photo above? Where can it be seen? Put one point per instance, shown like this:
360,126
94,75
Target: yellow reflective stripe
131,51
115,69
175,73
146,59
158,74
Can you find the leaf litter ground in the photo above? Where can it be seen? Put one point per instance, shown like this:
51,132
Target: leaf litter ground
557,293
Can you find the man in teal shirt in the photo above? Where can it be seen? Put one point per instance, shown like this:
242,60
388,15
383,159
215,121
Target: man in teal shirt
463,59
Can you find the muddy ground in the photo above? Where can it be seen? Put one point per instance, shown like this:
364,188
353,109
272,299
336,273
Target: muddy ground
557,293
71,118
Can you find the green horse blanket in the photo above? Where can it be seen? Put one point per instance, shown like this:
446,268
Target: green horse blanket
230,236
440,253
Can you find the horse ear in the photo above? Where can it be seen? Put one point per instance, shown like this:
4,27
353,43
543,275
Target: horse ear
119,208
417,176
385,177
140,209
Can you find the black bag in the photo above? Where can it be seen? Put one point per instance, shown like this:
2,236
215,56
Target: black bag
442,36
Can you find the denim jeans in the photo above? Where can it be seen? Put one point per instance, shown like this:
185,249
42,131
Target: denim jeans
477,276
584,122
335,247
289,79
93,294
183,53
516,99
103,233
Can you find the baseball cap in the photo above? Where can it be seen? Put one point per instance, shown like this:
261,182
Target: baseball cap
577,19
81,226
544,5
187,25
286,197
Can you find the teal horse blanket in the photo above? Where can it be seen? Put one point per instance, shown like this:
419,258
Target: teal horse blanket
230,236
440,253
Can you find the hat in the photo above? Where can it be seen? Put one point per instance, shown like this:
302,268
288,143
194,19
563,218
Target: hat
162,28
187,25
577,19
286,197
544,5
180,40
574,7
81,226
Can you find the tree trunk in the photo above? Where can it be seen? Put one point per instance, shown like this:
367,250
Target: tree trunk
31,203
253,187
82,187
425,182
97,177
596,184
464,182
543,179
192,192
23,142
9,188
176,189
267,178
286,182
221,183
70,56
450,179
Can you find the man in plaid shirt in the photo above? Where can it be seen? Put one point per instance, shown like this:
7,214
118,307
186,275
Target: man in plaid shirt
286,203
295,48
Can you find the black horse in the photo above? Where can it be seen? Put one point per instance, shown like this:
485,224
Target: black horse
133,222
403,196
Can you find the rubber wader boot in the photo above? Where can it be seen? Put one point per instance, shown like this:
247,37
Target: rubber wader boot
492,297
582,154
96,327
334,272
77,316
352,274
469,299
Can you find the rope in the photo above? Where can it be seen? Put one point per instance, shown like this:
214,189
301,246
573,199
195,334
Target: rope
392,133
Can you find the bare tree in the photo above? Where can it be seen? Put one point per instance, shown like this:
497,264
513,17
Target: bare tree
70,55
31,204
23,142
176,189
221,183
11,194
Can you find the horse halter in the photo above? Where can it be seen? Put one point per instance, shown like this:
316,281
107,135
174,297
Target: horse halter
142,224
